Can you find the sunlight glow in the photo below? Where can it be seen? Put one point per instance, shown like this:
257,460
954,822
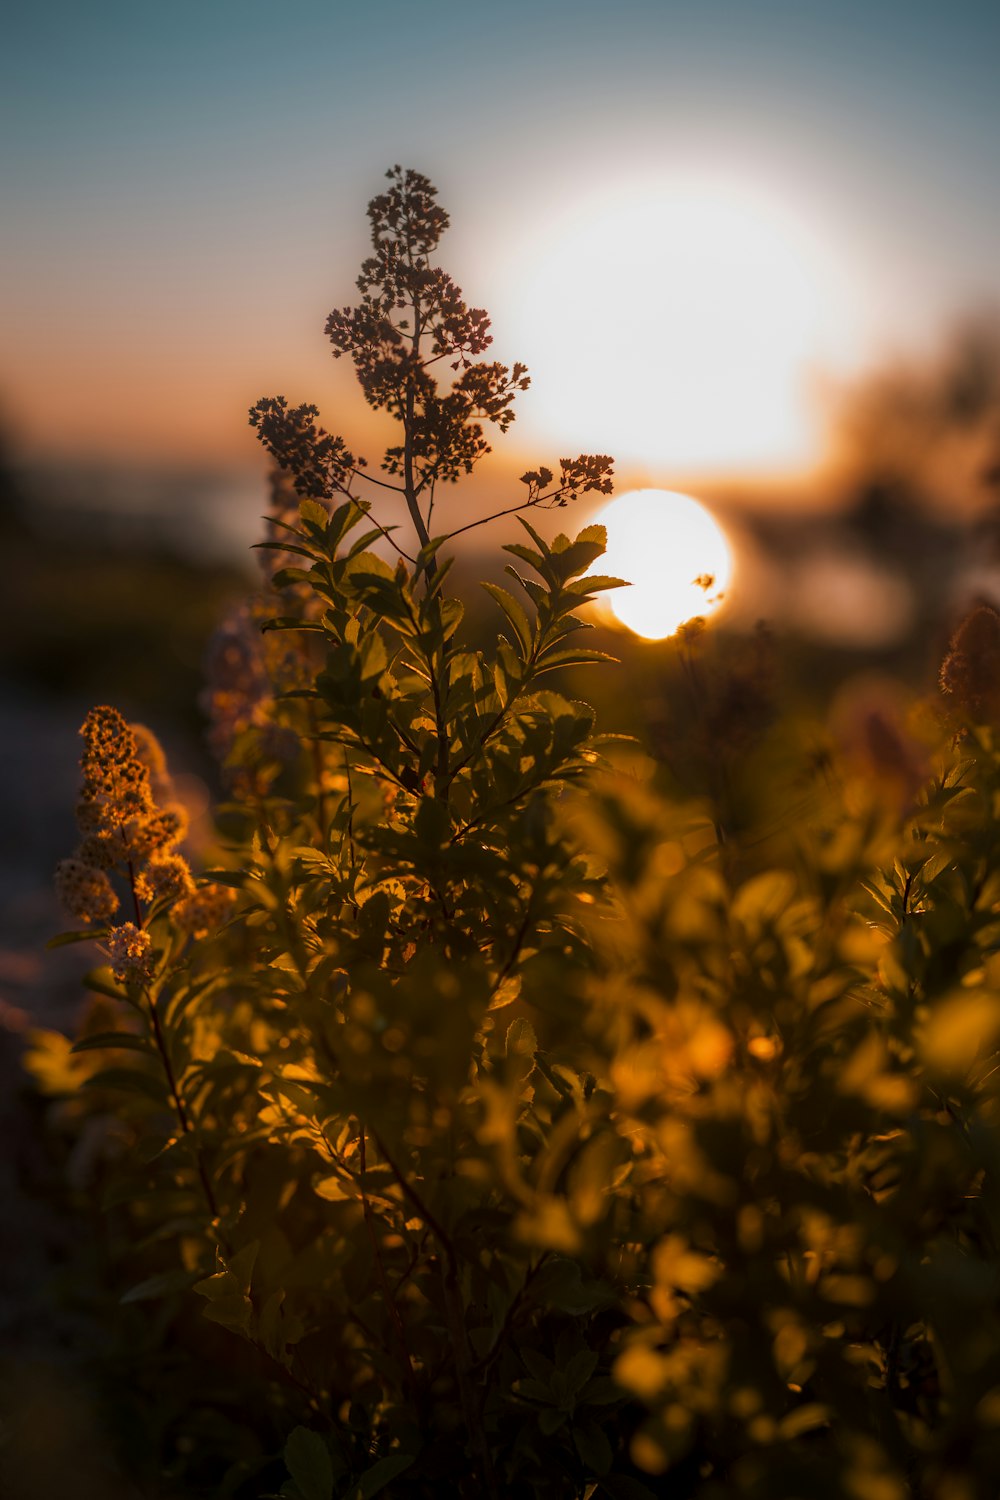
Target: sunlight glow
681,320
662,542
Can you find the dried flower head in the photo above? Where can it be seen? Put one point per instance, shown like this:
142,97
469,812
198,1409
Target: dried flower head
127,823
970,672
86,893
204,909
874,724
150,753
116,791
238,691
165,874
130,950
245,670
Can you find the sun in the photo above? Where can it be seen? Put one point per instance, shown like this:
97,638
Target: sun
674,555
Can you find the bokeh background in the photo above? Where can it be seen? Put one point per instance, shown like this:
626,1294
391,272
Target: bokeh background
751,250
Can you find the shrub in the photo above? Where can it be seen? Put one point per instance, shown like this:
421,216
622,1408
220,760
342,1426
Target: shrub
517,1129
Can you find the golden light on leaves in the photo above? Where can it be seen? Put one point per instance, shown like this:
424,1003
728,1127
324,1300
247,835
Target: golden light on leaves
674,555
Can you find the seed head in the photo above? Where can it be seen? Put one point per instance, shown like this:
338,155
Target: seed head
204,910
130,949
164,874
970,672
86,893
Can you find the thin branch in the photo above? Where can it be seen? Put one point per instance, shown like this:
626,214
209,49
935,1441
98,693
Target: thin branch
540,502
383,1280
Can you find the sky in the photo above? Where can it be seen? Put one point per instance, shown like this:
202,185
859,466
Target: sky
685,215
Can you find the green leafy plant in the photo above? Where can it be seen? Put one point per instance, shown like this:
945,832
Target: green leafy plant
511,1127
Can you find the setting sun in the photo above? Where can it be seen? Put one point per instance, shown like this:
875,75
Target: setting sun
674,555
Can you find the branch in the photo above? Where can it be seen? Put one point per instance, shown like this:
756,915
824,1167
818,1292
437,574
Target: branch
540,502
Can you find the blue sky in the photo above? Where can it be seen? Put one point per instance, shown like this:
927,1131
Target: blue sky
184,184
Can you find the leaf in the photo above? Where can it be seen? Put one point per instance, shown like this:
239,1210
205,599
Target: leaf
130,1081
521,1040
541,1367
161,1285
242,1263
516,616
593,1448
126,1041
379,1475
63,939
577,557
335,1189
624,1487
804,1419
307,1460
549,661
579,1369
316,514
101,981
533,559
596,583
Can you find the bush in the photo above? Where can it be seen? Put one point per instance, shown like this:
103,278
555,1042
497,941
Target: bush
517,1129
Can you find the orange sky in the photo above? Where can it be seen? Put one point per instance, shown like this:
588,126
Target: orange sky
680,215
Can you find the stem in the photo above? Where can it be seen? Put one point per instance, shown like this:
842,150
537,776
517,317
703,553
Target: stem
491,1354
390,1301
455,1313
515,952
183,1118
319,769
540,502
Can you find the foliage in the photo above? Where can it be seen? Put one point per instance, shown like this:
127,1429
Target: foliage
522,1130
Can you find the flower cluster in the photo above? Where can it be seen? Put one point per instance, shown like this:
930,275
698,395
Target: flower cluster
122,825
130,950
970,672
86,893
238,694
204,909
244,671
131,826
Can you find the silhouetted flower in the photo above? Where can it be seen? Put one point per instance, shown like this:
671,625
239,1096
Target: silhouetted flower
970,672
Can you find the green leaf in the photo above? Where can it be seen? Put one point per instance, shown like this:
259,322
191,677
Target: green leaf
316,514
379,1475
242,1263
533,559
130,1081
579,1369
307,1460
576,558
162,1285
516,616
521,1040
596,583
88,934
594,1450
101,981
127,1041
624,1487
549,661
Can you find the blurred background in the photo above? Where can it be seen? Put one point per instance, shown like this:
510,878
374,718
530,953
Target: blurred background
750,250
